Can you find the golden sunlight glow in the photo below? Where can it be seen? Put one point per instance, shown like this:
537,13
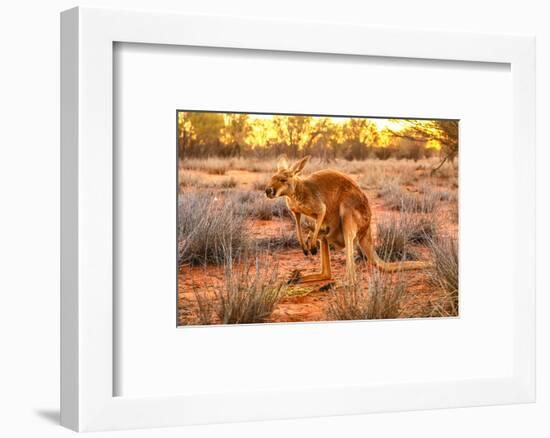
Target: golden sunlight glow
259,131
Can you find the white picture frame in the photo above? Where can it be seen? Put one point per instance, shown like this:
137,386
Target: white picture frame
87,328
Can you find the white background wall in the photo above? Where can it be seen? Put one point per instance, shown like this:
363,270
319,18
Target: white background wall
29,218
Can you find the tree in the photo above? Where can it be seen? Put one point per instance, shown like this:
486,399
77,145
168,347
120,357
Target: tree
444,132
184,134
324,140
235,132
360,134
295,131
260,134
204,131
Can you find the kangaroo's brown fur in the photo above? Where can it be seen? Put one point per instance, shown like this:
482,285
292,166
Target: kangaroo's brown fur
341,214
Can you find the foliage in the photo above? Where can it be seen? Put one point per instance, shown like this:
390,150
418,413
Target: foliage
360,136
199,130
442,133
207,134
235,132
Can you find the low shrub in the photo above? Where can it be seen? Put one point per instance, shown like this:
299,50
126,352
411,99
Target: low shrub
396,234
283,240
209,229
377,297
212,166
261,208
250,291
189,181
260,184
398,198
257,206
228,183
445,275
280,209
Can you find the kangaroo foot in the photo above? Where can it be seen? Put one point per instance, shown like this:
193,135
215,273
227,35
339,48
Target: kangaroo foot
326,287
311,248
295,276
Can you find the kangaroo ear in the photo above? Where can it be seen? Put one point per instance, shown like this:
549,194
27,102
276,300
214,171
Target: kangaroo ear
282,163
299,165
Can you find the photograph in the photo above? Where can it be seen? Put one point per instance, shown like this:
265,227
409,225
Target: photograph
310,218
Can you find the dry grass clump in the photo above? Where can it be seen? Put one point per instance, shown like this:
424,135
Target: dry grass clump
280,209
253,164
261,208
395,235
242,197
440,195
426,203
377,173
260,184
228,183
212,166
447,196
186,181
250,290
392,243
206,306
386,296
392,193
220,165
285,239
447,171
252,205
453,212
398,198
351,167
419,229
248,293
350,303
375,177
257,206
208,229
380,296
444,275
221,170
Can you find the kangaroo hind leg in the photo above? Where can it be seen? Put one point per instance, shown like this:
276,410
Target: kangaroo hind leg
367,247
325,274
349,229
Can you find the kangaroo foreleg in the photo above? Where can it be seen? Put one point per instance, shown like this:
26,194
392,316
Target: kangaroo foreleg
318,224
297,219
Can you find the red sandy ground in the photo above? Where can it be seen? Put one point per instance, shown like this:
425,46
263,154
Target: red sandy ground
313,306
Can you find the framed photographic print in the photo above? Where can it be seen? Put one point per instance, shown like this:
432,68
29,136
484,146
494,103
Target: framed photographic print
337,222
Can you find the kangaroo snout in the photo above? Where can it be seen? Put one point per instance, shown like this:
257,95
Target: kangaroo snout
269,192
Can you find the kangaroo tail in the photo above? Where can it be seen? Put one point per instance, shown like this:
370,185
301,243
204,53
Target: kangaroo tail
367,247
398,266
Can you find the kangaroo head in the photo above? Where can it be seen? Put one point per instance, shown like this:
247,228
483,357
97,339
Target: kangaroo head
284,181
